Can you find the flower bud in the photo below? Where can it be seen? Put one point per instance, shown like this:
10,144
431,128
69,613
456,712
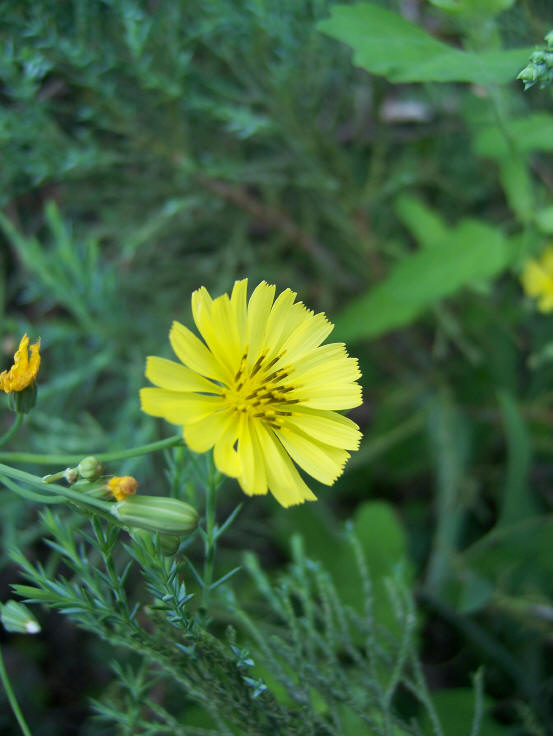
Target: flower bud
97,488
528,75
19,382
157,514
18,619
90,468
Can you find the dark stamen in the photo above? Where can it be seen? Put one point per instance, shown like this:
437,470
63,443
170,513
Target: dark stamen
257,366
271,364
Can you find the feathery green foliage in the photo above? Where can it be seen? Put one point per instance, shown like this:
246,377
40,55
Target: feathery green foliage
380,159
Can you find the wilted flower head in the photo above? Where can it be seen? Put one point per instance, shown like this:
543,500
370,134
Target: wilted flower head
24,369
537,280
260,389
122,486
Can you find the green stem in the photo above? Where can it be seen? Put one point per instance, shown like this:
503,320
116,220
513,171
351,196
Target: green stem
444,424
12,430
35,482
37,459
12,699
210,539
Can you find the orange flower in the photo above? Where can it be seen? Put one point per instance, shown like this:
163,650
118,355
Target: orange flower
122,486
24,369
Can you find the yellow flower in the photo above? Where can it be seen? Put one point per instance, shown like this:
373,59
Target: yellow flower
24,369
261,390
537,280
122,486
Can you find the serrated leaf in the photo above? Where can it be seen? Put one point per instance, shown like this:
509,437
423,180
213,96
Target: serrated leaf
385,43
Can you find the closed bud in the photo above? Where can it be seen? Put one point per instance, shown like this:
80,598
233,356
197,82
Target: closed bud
528,74
90,468
97,488
157,514
18,619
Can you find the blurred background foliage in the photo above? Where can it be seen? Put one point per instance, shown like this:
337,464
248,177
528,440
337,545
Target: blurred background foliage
397,183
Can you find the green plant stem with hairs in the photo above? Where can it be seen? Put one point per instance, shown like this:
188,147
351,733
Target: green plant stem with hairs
210,536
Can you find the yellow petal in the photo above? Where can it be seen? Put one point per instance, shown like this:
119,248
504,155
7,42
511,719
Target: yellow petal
341,370
176,406
284,317
177,377
307,336
200,436
201,308
534,279
545,303
226,336
259,307
285,483
225,456
335,397
24,369
194,354
217,325
253,478
238,301
326,426
323,462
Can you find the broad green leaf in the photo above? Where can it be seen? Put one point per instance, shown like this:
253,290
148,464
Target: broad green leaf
455,709
426,225
385,43
531,133
473,250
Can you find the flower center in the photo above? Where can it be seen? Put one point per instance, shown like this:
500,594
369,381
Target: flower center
262,392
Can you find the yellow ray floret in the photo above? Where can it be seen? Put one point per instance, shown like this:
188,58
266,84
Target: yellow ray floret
260,389
537,280
24,369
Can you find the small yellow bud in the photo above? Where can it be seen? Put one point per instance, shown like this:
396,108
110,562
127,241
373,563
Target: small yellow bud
157,514
90,468
122,486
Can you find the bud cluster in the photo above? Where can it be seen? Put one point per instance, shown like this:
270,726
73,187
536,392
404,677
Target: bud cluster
540,66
